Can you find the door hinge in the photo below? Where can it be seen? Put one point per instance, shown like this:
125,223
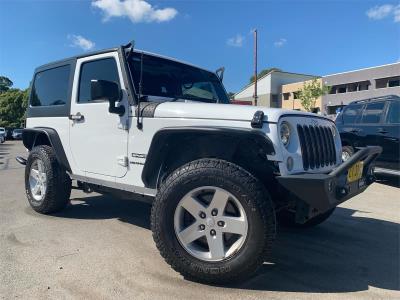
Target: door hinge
123,160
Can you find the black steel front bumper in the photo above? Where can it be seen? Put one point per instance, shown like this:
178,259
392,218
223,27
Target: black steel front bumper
325,191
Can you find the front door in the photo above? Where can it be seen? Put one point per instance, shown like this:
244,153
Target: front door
98,139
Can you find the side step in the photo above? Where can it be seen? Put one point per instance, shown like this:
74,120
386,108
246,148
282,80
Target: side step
21,160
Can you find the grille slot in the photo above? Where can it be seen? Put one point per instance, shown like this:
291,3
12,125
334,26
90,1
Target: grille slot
317,146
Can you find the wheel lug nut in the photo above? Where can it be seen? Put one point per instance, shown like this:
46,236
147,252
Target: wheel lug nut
214,212
202,215
212,232
202,227
221,223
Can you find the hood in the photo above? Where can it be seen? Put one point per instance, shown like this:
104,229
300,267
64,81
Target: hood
233,112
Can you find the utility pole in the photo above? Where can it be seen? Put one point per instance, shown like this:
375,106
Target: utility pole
255,67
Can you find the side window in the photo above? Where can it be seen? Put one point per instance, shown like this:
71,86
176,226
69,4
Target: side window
393,116
50,87
351,113
372,113
102,69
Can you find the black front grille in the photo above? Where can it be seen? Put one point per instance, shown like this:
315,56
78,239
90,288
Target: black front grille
317,146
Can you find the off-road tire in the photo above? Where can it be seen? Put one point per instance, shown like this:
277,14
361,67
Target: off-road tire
253,197
58,189
287,219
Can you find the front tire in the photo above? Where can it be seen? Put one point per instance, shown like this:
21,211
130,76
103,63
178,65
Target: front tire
47,184
213,222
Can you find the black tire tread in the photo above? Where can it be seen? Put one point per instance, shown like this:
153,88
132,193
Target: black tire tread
58,188
263,205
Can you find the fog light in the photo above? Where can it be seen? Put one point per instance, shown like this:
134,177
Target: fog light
289,163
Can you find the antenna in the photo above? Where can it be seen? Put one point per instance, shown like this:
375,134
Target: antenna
255,67
139,124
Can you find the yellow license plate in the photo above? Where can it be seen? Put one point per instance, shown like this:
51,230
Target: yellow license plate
355,172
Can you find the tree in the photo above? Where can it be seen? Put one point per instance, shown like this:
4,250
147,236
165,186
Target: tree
310,92
230,95
263,72
5,84
13,104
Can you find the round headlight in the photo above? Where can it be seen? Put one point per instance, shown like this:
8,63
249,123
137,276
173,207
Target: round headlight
285,133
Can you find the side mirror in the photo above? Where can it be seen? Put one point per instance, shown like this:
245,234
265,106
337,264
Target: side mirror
104,89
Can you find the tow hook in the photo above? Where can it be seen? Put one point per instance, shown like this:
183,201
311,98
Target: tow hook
21,160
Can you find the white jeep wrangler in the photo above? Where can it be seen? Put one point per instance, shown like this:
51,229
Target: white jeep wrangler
219,176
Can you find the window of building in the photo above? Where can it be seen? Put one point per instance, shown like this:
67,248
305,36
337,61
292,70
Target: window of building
387,82
341,89
352,87
333,90
395,81
296,95
372,112
363,86
381,83
286,96
351,113
102,69
50,87
393,116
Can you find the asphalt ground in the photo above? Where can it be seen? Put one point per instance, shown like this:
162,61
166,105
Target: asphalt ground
101,247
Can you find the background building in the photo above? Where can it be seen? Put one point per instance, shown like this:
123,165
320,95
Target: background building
361,84
290,99
269,88
349,86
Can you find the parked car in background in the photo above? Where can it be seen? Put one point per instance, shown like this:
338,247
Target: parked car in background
17,134
2,135
8,133
374,121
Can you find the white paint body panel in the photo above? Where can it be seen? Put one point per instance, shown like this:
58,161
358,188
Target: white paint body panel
99,139
93,146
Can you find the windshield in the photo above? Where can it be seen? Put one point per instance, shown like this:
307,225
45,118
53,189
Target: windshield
17,130
169,79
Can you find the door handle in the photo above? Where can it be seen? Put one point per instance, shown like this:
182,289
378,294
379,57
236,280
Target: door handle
382,131
77,117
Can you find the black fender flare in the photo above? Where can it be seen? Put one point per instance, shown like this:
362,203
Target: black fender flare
160,142
30,138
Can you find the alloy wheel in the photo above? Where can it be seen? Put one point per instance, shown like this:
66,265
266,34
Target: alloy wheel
38,180
210,223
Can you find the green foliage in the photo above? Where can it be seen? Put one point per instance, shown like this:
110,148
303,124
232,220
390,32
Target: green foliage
310,92
263,72
230,95
13,104
5,84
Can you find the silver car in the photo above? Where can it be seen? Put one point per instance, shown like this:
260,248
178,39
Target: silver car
2,135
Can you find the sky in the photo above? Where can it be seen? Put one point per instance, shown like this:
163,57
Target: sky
312,37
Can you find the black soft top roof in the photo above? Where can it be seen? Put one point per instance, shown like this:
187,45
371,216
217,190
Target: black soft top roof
72,59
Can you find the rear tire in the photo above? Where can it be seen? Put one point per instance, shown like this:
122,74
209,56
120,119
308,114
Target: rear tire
47,184
243,189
